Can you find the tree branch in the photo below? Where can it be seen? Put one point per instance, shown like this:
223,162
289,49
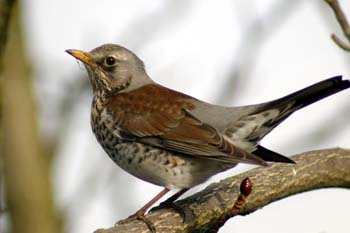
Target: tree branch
313,170
344,24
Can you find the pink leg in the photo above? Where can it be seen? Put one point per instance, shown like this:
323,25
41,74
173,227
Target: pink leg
140,214
154,200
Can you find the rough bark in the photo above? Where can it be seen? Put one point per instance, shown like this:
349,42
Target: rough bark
313,170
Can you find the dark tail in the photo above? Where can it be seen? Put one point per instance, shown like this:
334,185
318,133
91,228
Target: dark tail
311,94
289,104
271,156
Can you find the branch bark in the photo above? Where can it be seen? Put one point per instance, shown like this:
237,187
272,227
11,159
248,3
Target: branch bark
313,170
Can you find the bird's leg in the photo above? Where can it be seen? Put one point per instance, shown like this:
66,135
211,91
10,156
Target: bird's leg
140,214
169,203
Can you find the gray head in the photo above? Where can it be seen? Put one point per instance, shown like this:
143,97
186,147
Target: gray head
112,68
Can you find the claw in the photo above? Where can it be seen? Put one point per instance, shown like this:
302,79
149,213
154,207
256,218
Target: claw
170,205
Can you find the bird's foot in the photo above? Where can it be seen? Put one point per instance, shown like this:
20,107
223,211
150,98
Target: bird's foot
170,205
139,215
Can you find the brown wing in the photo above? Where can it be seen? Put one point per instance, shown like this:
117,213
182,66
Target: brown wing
161,117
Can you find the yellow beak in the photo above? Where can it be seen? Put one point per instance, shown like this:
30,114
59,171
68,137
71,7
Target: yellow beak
81,56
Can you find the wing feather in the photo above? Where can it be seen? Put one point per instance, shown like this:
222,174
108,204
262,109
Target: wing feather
164,120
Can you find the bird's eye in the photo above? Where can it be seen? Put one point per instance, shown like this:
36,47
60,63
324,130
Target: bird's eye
110,61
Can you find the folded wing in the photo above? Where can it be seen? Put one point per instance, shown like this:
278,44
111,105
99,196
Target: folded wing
161,117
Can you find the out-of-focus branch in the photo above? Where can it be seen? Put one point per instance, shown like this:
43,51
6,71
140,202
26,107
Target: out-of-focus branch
255,36
26,171
5,10
344,24
169,14
313,170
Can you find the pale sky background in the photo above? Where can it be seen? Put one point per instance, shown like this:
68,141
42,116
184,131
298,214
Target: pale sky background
194,47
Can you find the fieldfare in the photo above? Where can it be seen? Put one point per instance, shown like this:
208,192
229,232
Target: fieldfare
172,139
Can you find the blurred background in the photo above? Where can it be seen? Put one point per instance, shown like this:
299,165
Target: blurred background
226,52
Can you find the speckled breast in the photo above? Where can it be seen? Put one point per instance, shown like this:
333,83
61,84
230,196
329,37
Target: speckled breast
155,165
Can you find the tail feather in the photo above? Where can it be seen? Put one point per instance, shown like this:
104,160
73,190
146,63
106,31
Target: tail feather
311,94
271,156
269,115
302,98
286,106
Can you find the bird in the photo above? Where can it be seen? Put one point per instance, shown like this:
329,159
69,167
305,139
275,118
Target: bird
171,139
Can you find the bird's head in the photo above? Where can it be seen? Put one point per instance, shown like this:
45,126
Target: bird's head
112,68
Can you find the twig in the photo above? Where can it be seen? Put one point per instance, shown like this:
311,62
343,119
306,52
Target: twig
245,190
344,24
